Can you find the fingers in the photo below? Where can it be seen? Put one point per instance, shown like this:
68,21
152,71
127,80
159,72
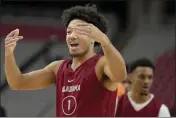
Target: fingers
86,30
83,24
17,32
88,27
82,31
11,40
13,33
83,36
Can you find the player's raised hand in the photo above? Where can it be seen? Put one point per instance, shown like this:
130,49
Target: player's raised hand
11,40
92,32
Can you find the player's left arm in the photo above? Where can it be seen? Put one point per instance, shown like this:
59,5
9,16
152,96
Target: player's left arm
114,64
164,111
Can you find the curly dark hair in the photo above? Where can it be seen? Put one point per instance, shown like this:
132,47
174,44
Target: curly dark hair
86,13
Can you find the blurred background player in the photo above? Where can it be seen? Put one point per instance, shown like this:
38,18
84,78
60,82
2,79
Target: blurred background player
86,84
139,102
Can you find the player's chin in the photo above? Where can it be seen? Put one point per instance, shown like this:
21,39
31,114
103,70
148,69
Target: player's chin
145,91
75,54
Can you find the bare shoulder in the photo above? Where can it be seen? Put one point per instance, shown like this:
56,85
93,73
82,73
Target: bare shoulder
55,65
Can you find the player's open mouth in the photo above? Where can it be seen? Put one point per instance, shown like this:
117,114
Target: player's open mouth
74,45
145,87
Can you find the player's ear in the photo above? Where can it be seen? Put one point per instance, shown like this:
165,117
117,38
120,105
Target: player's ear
131,77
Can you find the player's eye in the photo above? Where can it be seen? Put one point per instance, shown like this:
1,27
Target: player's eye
150,76
68,32
142,77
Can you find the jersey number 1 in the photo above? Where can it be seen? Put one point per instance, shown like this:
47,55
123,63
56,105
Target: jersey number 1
69,103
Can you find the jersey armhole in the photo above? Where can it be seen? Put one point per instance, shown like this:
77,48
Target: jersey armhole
59,68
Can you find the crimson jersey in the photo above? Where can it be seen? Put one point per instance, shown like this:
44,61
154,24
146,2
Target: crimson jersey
125,108
81,94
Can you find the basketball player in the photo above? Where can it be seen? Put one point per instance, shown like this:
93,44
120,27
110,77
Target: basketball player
86,84
139,102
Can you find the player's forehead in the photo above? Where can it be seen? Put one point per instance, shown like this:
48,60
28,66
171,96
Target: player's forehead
75,22
144,70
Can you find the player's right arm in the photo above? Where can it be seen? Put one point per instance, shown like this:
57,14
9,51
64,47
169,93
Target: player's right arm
30,81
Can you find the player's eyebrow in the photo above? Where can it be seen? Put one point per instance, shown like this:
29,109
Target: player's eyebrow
69,28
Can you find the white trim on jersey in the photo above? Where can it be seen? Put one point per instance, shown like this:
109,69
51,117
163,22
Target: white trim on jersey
116,106
140,106
164,111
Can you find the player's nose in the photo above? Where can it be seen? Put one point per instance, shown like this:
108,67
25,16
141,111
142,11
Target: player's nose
146,81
